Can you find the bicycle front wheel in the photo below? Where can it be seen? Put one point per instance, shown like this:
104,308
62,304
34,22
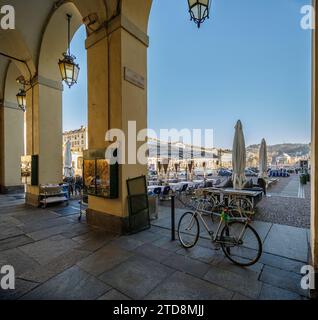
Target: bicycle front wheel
189,230
241,243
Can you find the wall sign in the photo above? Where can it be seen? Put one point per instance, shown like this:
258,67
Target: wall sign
134,78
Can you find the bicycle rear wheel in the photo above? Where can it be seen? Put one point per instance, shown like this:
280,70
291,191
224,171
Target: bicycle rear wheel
189,230
241,243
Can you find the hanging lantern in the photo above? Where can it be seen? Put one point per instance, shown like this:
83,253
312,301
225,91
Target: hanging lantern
21,99
199,10
68,68
21,95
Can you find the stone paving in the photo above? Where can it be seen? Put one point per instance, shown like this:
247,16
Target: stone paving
56,257
291,189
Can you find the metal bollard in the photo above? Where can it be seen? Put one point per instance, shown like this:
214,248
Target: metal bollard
173,218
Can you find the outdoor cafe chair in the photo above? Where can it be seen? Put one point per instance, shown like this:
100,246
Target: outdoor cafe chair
184,188
208,184
166,193
157,191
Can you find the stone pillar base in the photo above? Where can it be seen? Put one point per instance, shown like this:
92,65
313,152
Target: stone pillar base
11,189
32,200
106,221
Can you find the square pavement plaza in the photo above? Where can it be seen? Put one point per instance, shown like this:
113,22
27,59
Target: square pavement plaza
56,257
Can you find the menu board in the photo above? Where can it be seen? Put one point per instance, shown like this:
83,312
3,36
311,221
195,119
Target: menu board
103,178
89,176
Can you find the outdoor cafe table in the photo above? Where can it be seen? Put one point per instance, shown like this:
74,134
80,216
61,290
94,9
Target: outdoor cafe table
173,186
233,193
192,183
176,186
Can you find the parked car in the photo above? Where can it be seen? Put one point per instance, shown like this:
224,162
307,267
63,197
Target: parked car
225,173
250,173
279,173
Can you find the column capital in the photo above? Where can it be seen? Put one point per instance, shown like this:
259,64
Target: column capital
53,84
109,27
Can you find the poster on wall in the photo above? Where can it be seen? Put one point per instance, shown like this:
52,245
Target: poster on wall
26,170
29,170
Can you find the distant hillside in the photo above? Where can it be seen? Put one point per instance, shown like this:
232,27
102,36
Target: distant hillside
290,148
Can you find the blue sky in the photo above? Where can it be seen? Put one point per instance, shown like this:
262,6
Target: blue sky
250,61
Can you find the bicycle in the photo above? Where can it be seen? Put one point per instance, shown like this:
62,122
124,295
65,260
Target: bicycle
239,241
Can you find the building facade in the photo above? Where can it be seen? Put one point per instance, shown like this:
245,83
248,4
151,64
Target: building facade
78,139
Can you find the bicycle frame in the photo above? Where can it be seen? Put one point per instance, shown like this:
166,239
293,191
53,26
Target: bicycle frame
200,212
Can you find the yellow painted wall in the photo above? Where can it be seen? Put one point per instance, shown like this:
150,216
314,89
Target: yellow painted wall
13,146
314,144
44,131
13,131
138,12
50,137
97,79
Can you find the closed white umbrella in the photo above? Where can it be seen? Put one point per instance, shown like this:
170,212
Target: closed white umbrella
68,170
263,160
239,157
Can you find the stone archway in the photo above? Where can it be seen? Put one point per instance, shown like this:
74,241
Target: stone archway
143,17
44,116
12,136
11,117
117,40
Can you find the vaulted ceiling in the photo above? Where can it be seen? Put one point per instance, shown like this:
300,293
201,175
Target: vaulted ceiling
42,24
